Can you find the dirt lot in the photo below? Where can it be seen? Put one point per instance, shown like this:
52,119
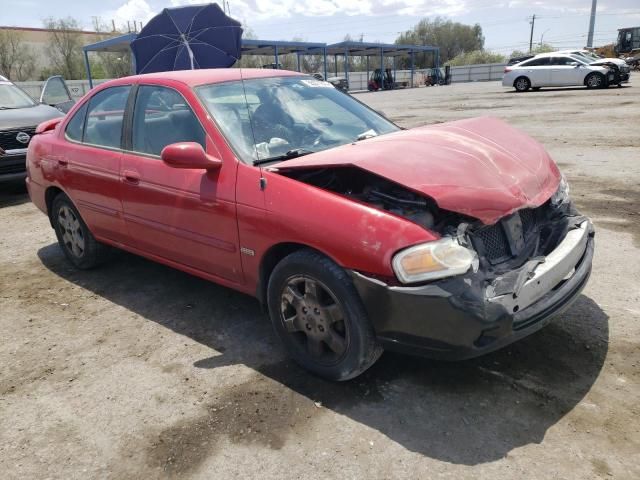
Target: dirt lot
135,370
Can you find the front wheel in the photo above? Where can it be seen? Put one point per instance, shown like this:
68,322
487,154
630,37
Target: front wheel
319,317
595,80
522,84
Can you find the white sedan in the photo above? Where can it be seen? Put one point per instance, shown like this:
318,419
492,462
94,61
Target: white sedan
554,70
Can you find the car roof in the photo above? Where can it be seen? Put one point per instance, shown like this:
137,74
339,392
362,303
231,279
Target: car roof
193,78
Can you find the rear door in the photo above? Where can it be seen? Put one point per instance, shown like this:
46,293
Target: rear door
88,161
538,71
187,216
56,94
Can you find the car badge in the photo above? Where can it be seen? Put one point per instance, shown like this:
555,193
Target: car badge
23,137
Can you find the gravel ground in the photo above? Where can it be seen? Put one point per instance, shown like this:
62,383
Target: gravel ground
136,370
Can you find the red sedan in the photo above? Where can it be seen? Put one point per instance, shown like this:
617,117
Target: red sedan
450,240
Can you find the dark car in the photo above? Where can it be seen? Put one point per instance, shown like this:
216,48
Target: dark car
514,60
19,116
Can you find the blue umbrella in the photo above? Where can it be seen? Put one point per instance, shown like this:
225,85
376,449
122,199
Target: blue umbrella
187,38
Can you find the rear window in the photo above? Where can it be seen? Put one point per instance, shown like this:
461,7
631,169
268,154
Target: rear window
103,124
75,127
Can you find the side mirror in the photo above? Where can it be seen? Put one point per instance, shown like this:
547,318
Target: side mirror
575,64
189,155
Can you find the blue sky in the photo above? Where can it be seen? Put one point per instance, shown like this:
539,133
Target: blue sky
563,23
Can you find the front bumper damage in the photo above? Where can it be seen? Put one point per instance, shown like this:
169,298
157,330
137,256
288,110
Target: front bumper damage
469,315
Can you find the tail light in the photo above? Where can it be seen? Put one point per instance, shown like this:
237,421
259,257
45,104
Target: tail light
507,69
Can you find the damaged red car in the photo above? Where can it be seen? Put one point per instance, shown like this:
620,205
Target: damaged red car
450,240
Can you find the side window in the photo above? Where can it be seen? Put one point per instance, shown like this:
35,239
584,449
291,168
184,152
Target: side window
536,62
562,60
75,127
103,125
162,117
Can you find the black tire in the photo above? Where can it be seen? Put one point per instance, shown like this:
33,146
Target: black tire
595,80
522,84
309,339
76,241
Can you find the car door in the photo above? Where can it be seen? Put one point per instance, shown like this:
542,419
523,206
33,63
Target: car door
187,216
88,161
566,71
537,70
56,94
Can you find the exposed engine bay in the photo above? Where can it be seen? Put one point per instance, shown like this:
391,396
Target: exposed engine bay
380,193
511,242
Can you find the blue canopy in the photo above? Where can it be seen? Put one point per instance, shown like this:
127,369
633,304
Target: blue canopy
188,38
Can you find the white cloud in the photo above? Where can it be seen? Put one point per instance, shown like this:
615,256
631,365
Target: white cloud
255,11
131,10
258,10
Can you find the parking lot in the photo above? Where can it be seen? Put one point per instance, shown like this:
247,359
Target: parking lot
135,370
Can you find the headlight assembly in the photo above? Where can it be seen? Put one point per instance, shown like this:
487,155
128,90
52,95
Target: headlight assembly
430,261
562,194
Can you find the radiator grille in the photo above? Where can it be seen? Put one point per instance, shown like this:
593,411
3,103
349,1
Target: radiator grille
493,241
8,139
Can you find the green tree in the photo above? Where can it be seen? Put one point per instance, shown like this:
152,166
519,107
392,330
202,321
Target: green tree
453,38
476,57
17,61
65,47
540,48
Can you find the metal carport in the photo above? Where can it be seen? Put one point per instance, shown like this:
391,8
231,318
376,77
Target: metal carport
249,47
381,50
277,47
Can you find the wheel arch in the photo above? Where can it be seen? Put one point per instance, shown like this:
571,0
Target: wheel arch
584,81
519,77
49,196
272,256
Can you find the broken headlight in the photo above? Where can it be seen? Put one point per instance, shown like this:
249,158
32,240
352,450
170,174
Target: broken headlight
430,261
562,194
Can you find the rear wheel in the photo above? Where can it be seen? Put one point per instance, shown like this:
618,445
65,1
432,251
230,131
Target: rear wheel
595,80
76,241
318,315
522,84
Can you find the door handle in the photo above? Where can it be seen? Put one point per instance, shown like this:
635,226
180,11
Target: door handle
131,177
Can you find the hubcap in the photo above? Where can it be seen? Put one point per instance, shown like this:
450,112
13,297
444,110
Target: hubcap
522,84
72,235
594,81
314,318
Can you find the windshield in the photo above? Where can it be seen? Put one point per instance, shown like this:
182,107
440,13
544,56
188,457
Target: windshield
279,117
12,97
582,59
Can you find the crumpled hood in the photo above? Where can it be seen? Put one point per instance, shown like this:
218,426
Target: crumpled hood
27,117
479,167
603,61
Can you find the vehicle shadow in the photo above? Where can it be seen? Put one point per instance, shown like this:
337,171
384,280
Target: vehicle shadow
468,413
13,193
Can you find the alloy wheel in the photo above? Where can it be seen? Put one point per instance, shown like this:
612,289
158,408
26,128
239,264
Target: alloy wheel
594,81
522,84
72,234
314,318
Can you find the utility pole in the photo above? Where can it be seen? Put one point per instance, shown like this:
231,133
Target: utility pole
532,22
592,23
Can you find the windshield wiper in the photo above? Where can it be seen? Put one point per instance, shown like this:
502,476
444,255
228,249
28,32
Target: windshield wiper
368,134
295,153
